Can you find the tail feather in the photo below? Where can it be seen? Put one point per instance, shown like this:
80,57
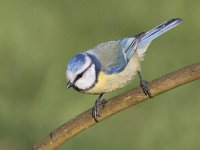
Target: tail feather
157,31
154,33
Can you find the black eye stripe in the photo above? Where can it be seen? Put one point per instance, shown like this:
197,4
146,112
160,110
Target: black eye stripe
81,74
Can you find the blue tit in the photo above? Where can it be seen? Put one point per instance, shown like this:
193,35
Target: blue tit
112,64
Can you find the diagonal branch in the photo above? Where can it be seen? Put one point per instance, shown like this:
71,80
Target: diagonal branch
119,103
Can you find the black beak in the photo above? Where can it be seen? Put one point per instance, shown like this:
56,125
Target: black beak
69,84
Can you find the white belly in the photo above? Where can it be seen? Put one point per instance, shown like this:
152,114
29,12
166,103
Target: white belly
108,83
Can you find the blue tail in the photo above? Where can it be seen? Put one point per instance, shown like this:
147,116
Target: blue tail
157,31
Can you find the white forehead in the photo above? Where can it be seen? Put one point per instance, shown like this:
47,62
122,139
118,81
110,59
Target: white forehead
71,75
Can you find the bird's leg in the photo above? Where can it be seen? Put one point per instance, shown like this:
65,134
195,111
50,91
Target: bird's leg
96,109
144,85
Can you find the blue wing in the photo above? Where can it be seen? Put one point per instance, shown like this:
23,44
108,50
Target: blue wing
114,55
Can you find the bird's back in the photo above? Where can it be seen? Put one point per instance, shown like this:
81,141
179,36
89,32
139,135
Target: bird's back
114,55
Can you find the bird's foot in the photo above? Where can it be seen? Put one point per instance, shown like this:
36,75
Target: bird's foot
145,88
144,85
96,109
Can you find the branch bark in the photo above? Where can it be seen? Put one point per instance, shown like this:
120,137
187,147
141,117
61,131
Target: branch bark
119,103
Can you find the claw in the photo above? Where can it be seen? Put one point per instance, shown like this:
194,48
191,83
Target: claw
96,109
145,88
144,85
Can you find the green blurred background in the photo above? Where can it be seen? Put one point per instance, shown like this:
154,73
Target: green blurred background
37,39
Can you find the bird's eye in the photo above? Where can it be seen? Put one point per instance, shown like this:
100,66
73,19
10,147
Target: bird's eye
80,75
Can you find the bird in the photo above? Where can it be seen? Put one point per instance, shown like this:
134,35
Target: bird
113,64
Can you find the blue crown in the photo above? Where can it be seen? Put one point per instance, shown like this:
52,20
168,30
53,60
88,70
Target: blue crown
76,62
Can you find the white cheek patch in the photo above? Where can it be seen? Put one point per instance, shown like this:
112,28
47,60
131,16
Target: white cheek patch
88,79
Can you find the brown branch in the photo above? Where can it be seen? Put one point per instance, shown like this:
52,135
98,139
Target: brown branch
119,103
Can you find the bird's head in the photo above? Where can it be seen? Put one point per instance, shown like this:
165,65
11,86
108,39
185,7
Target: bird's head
82,71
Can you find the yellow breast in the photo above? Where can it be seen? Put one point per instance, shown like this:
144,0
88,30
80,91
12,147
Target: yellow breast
110,82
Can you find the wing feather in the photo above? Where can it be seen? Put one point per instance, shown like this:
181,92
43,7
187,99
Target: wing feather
114,55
